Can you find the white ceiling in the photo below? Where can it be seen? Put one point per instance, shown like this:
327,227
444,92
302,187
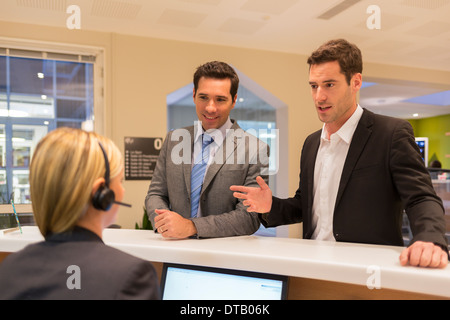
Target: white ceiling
413,33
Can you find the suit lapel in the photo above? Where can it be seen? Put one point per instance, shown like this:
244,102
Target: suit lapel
359,140
311,163
307,169
187,167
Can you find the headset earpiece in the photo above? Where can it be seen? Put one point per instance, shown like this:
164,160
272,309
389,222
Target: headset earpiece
104,197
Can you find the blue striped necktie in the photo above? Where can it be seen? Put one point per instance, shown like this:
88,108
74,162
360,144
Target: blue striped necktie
198,172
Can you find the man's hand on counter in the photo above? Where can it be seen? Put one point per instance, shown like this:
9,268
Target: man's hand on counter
424,254
171,225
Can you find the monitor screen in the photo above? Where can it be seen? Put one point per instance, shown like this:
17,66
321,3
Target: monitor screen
186,282
422,142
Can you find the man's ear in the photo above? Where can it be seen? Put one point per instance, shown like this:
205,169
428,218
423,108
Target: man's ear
356,81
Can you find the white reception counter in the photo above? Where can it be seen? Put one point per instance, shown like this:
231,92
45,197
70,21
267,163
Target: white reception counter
327,262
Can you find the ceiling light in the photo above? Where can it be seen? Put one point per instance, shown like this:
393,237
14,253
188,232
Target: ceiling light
415,115
43,97
40,75
18,113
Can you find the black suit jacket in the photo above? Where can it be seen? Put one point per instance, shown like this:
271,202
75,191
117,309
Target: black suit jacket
40,271
383,175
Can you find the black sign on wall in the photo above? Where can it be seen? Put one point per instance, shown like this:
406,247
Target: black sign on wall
141,155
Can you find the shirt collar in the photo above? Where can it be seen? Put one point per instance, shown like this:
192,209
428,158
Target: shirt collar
76,234
215,133
349,127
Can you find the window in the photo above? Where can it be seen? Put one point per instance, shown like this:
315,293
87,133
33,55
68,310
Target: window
39,92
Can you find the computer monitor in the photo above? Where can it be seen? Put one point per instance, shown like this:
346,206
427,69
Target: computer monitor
422,142
187,282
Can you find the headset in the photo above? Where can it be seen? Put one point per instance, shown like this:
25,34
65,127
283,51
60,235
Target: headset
104,197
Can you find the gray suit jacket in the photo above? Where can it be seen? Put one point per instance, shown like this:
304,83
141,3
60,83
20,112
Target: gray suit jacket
41,271
239,160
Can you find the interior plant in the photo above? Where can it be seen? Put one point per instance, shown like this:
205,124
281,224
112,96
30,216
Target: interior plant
146,224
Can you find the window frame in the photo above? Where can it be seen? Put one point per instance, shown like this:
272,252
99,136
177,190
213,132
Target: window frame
57,51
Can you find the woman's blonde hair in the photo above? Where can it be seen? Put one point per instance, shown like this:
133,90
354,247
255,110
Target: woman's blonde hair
63,169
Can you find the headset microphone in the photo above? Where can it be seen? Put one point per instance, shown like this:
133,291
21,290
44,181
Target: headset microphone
122,204
104,197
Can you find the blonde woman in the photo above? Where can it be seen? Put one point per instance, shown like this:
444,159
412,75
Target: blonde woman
76,187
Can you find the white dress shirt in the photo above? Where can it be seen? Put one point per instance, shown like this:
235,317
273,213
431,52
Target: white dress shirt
218,136
327,175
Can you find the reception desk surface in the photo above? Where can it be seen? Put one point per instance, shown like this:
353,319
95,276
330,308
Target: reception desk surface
369,266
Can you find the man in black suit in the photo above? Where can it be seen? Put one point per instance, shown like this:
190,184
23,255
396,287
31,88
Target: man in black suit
358,173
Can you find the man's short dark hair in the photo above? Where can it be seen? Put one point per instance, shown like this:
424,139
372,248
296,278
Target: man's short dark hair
217,70
347,54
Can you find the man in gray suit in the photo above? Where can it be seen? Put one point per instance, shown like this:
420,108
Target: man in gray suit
231,157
